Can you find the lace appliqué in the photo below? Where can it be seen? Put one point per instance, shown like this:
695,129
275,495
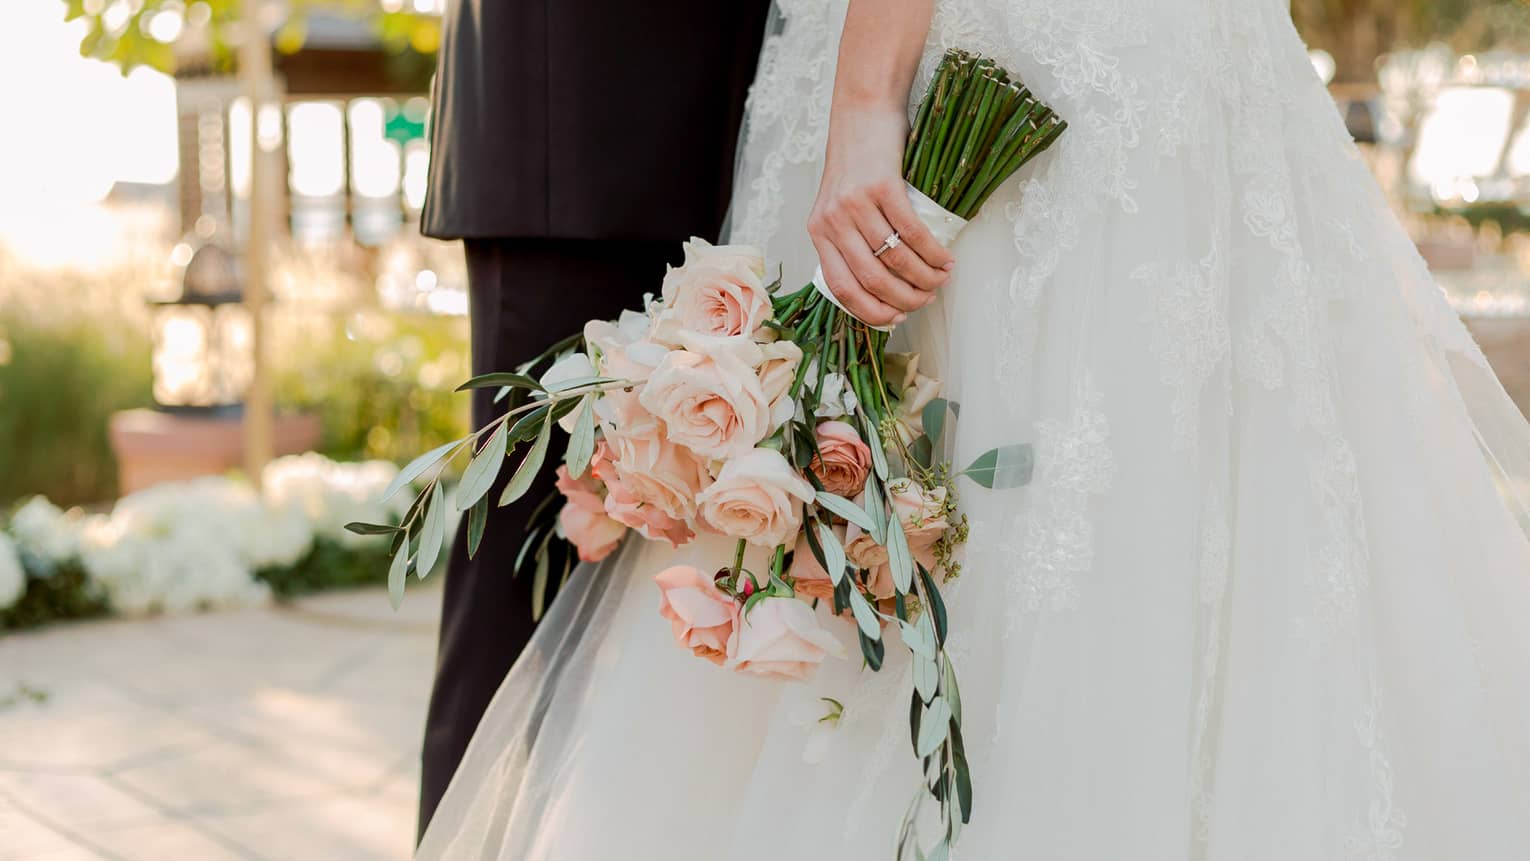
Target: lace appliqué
1190,334
1073,464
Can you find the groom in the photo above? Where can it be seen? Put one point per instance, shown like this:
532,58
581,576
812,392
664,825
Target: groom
576,143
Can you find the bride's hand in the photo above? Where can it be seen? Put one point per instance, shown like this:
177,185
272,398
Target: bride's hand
860,204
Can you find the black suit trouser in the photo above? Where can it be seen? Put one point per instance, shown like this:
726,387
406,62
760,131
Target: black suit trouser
526,294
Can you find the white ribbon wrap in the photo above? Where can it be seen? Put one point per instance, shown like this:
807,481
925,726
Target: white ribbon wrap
945,225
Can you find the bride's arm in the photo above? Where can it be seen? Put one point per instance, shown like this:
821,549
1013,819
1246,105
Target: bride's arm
862,199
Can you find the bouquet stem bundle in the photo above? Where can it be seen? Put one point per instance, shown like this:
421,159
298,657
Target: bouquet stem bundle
973,130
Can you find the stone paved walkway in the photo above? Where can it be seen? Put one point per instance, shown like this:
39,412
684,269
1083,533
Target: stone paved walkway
285,734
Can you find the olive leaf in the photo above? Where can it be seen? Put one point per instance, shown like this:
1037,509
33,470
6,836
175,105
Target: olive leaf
527,472
417,467
934,725
432,534
846,509
581,444
834,560
482,470
478,518
1003,468
501,379
398,572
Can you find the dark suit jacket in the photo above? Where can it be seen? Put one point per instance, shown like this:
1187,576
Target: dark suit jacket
588,119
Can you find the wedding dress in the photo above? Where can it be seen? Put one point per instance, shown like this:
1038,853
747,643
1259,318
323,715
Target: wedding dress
1264,598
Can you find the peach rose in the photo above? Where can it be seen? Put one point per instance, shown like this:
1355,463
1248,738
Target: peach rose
916,391
843,461
593,534
571,368
624,506
702,617
781,639
756,497
622,349
718,291
809,580
657,472
710,399
922,513
778,371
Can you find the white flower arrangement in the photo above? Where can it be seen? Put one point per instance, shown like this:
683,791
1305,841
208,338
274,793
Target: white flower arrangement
199,544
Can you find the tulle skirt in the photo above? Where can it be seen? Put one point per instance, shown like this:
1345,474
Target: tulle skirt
1264,599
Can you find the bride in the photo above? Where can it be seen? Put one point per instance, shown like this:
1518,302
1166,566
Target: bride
1263,599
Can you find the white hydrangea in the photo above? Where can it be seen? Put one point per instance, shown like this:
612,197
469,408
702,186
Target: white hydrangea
188,545
13,580
333,494
45,533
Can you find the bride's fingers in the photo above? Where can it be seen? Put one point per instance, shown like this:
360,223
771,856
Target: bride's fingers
893,198
874,276
842,283
903,262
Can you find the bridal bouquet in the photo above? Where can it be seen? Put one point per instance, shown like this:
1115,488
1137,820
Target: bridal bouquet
730,406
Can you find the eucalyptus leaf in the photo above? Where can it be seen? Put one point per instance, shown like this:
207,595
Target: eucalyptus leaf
527,473
935,605
918,641
926,678
417,467
360,528
1003,468
951,692
878,452
581,444
922,452
834,560
539,582
433,533
874,651
398,572
876,508
501,379
934,420
478,518
846,509
934,726
865,616
579,383
962,772
899,557
482,469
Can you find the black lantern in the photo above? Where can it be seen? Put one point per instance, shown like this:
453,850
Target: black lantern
203,349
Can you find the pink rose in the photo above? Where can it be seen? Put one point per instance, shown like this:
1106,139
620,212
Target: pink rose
757,497
781,639
623,506
585,492
719,291
710,402
702,617
593,533
843,460
656,472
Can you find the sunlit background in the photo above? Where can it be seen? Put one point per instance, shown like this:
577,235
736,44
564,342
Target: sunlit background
134,722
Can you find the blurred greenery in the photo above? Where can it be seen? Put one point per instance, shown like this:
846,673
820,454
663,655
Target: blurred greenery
59,383
64,595
381,383
330,566
121,32
1356,32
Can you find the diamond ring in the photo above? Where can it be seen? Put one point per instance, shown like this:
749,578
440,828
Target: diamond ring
892,241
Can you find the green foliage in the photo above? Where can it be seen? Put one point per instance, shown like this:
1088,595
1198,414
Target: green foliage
381,385
128,41
60,381
63,595
331,565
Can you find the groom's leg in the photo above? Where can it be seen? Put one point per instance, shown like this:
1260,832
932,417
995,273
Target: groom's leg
525,295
